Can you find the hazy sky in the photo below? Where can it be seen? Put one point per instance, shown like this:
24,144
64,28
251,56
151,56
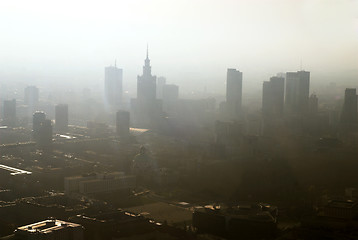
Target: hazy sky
190,41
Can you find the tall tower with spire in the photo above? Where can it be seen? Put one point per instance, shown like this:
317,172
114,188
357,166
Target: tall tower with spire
146,108
146,84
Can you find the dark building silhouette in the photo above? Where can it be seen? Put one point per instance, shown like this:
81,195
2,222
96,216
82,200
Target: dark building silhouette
273,97
349,111
37,119
31,95
146,107
160,86
146,84
297,92
313,105
45,133
234,92
9,113
122,123
61,117
113,78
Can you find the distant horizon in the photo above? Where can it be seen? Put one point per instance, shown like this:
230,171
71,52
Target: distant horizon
67,43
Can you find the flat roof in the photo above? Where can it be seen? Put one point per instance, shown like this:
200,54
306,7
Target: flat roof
14,171
47,226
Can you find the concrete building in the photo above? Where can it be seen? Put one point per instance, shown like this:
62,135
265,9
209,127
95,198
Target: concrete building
297,92
313,105
113,90
99,183
273,97
243,221
122,123
37,119
45,133
49,230
9,116
31,95
146,108
61,118
349,110
160,86
234,92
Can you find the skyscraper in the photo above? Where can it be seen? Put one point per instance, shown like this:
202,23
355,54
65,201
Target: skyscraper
146,84
273,97
113,78
37,119
45,133
9,113
313,105
61,117
297,92
146,108
349,110
122,123
234,92
31,95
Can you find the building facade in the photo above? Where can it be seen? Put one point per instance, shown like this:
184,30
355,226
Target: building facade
61,118
297,92
113,89
9,118
234,92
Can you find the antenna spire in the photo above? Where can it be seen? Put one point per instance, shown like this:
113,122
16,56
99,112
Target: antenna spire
147,50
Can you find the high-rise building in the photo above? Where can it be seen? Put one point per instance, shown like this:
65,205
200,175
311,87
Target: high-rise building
113,78
313,105
160,86
9,113
37,119
122,123
146,84
61,117
146,108
273,97
45,133
297,92
31,95
234,92
349,111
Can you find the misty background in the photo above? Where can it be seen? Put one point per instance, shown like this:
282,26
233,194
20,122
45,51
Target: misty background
191,43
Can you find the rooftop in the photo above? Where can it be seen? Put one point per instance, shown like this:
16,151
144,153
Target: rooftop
46,227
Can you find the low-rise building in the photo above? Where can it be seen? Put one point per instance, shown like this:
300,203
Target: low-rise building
50,229
99,183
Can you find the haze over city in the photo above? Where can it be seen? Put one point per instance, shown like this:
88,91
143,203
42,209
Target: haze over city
191,42
179,120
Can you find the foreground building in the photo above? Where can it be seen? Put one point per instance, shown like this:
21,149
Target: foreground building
246,221
50,229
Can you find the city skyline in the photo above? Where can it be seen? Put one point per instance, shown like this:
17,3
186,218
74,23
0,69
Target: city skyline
259,39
